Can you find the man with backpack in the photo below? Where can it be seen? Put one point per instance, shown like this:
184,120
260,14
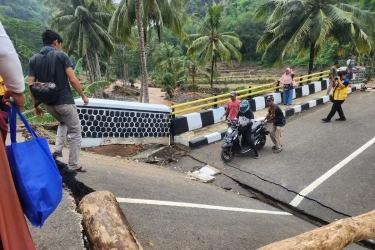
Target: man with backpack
51,65
276,117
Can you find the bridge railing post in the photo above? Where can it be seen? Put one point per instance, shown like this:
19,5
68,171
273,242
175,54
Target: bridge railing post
301,83
171,128
215,100
278,85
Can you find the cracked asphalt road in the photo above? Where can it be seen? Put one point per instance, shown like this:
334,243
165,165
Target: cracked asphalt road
311,148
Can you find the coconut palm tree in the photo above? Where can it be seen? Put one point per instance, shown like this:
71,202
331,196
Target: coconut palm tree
84,29
210,44
193,69
167,58
23,52
146,15
307,25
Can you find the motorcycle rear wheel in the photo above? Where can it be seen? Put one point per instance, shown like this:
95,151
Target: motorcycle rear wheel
227,155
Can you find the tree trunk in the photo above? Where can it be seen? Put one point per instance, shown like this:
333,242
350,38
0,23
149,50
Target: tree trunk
311,60
91,74
212,74
105,223
372,60
144,85
336,235
193,85
93,65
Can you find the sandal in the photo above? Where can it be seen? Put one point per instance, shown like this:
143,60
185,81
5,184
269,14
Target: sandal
80,169
277,151
274,147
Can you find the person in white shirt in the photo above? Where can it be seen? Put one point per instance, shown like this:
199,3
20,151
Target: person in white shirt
11,70
14,233
349,67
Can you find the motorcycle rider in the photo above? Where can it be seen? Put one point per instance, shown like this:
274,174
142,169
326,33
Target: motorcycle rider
244,117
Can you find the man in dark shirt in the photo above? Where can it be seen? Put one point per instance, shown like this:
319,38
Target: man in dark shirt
63,109
275,115
245,117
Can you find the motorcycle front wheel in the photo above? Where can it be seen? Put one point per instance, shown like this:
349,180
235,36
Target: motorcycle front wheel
262,142
227,154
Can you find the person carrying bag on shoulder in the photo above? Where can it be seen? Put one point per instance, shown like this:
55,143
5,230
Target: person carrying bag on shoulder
14,233
51,71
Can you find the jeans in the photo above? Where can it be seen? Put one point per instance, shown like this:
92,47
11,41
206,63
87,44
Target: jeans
336,106
288,96
246,135
69,122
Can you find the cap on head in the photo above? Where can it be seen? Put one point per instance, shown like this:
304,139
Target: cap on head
232,93
269,98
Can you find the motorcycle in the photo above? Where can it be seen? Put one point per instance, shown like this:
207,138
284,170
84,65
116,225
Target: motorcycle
233,144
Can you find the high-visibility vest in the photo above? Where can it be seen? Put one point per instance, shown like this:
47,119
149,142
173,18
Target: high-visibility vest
340,94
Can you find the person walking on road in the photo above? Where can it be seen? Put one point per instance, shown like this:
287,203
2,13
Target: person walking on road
14,233
232,107
276,116
349,67
341,86
64,109
288,85
332,75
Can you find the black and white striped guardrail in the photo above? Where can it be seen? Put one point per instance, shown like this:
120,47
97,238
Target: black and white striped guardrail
217,136
189,122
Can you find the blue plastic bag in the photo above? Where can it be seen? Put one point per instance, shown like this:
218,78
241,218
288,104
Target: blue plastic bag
35,174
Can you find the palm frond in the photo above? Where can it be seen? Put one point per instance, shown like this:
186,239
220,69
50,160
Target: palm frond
95,86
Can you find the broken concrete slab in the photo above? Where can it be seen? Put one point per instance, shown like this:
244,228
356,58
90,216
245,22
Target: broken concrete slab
202,177
207,169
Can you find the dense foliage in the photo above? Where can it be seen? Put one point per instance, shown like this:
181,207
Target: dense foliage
24,21
165,35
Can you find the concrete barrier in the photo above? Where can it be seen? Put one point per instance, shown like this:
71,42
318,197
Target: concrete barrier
106,122
336,235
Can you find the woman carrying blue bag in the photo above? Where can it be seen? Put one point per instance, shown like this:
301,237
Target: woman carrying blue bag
14,232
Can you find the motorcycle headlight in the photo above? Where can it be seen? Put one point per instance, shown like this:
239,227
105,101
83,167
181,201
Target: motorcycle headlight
230,130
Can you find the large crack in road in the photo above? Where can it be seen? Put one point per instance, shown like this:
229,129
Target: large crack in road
77,190
279,204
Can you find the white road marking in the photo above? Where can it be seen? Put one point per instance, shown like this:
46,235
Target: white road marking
193,205
298,199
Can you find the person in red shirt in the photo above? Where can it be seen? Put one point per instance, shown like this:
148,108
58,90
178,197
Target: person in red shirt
233,106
